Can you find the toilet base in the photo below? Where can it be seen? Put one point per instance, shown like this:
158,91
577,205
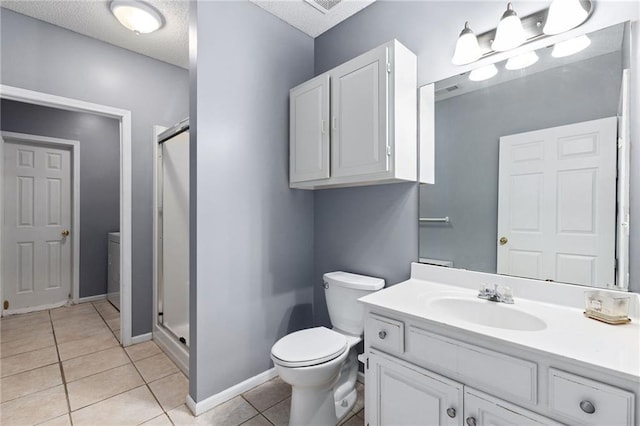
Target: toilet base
312,407
344,406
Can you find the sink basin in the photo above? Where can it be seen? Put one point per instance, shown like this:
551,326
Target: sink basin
484,312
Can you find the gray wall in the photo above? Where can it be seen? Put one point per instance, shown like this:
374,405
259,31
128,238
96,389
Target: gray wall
430,30
253,235
42,57
99,177
468,131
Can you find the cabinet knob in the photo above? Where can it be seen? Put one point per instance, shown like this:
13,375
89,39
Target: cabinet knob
451,412
382,334
471,421
587,407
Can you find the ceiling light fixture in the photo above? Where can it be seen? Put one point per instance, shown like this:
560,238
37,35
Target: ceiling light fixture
137,16
467,48
522,61
483,73
509,33
564,15
570,47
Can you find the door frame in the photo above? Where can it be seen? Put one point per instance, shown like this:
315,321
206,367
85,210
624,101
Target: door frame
74,147
124,118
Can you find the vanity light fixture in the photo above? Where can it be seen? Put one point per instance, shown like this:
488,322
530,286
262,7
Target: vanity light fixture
483,73
467,47
571,46
521,61
137,16
509,33
564,15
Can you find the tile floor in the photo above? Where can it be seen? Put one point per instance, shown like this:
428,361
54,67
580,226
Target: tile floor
65,366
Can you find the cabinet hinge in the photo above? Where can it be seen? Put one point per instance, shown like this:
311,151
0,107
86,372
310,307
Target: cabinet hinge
388,149
388,67
367,363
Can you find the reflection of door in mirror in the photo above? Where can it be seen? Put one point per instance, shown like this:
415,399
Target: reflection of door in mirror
556,203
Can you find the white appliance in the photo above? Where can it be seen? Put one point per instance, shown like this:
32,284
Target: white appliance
320,364
113,269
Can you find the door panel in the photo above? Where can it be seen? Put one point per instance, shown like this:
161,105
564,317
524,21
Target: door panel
489,411
37,256
556,203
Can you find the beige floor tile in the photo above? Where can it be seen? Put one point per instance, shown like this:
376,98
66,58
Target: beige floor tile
114,323
353,421
143,350
66,311
58,421
268,394
360,414
98,342
103,385
116,334
258,420
106,310
162,420
28,344
171,391
97,362
78,329
28,361
34,408
130,408
34,332
279,413
232,413
31,381
156,367
32,320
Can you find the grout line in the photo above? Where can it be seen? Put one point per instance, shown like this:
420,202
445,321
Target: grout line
64,380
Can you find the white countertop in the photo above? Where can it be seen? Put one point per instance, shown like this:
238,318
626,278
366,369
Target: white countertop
568,332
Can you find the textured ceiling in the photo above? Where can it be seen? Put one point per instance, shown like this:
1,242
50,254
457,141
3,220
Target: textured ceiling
94,19
308,18
170,44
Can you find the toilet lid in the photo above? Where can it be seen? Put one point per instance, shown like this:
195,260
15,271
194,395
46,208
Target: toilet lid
309,347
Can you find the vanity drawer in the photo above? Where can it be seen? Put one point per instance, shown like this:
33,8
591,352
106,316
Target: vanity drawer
385,333
499,374
574,397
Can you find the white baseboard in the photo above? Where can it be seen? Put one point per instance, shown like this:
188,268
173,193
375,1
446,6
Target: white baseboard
141,338
206,404
174,350
91,298
8,312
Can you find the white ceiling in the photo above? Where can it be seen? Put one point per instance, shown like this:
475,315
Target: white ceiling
170,44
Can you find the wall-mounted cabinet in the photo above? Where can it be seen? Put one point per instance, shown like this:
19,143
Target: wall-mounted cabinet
357,123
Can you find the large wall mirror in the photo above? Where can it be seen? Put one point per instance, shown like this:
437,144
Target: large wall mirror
530,179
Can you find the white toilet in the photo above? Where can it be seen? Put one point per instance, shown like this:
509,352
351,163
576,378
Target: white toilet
320,364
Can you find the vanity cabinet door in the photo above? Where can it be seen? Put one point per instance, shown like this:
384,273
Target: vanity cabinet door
481,409
398,393
309,130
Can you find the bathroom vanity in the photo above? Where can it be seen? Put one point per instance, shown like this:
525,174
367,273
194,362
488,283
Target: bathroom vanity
436,354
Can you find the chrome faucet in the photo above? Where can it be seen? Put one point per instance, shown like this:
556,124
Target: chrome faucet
497,294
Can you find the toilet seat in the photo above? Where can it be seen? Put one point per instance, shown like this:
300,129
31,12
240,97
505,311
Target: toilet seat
309,347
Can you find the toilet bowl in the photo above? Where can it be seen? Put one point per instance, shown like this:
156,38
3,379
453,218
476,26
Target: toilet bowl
321,364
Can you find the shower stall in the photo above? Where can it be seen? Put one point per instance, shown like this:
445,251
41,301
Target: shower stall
171,229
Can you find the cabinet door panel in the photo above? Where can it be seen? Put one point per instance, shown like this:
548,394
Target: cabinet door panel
407,395
309,127
359,106
490,411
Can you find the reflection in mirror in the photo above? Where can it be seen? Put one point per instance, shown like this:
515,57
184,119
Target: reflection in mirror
528,169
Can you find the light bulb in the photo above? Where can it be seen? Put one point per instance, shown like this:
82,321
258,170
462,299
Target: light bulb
521,61
483,73
570,47
467,48
564,15
509,33
136,16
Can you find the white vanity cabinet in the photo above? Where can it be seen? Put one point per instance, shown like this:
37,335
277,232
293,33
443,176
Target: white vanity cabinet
357,123
423,373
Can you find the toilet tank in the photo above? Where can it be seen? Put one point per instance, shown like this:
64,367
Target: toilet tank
342,291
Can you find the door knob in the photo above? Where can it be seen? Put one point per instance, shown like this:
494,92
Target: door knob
451,412
65,233
503,241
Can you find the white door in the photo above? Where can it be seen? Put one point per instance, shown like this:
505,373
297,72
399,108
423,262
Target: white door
309,130
399,393
37,220
175,235
484,410
557,203
359,99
